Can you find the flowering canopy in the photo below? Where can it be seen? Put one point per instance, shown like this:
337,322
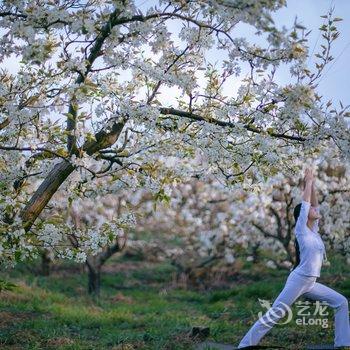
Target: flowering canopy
91,92
215,222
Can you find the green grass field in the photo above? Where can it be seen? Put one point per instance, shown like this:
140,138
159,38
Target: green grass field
141,308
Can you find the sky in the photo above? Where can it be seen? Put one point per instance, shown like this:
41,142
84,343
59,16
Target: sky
335,83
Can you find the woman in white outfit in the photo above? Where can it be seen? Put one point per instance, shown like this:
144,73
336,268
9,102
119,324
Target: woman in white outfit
302,279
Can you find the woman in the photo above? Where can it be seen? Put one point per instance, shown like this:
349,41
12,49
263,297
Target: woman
302,279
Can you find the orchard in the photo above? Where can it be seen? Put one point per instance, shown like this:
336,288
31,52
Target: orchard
161,133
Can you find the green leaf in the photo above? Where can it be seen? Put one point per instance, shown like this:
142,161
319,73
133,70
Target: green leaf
18,256
6,285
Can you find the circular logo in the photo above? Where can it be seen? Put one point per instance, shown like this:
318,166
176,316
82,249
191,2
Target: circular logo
274,313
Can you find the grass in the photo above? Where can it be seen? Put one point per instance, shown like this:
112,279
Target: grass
141,308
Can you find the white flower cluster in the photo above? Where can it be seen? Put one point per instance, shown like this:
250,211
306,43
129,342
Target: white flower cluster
83,161
95,241
298,98
75,64
80,257
127,219
159,72
38,51
14,244
195,36
50,235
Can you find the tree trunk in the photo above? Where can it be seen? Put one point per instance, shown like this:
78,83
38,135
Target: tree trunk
45,263
256,253
94,279
290,252
95,263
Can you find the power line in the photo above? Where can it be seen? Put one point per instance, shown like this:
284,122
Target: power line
331,66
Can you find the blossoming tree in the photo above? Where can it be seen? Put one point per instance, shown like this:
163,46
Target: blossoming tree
218,225
267,218
212,225
91,92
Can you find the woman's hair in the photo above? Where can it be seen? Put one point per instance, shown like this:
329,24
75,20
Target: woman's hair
297,212
296,244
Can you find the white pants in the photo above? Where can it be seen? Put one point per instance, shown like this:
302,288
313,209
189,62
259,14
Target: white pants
297,285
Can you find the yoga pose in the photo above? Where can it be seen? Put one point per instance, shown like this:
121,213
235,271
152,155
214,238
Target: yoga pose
302,279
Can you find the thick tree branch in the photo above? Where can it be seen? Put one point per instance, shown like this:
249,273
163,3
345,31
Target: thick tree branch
197,117
4,123
61,171
279,223
265,233
43,149
94,53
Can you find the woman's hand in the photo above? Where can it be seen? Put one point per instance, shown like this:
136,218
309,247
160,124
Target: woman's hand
309,175
308,184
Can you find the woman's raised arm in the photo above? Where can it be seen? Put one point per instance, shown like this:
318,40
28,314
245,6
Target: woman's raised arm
308,180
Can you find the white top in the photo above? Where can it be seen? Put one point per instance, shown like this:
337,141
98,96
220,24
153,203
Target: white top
311,247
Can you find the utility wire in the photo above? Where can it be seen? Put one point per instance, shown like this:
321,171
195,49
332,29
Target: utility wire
331,66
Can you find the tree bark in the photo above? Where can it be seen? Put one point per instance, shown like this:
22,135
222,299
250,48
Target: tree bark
95,263
61,171
46,190
255,253
45,263
94,279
